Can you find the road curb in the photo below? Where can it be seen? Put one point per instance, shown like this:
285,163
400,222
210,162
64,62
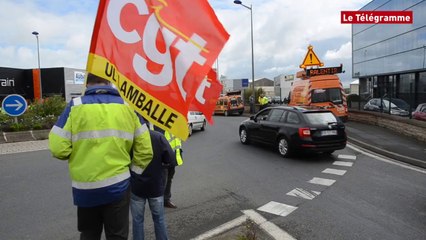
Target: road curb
396,156
23,136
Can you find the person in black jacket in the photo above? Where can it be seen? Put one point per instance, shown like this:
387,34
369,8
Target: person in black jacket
149,185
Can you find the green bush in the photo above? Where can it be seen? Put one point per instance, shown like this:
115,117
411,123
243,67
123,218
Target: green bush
39,115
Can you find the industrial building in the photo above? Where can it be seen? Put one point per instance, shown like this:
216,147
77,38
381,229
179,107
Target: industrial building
389,59
66,82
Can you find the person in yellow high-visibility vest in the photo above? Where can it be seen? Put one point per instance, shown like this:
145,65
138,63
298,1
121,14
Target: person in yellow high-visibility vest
263,101
100,137
176,144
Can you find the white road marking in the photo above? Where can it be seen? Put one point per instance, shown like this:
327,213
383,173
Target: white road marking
344,164
276,208
350,157
272,229
322,181
306,194
334,171
222,228
387,160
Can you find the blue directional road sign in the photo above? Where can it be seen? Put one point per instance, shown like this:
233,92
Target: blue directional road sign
14,105
244,82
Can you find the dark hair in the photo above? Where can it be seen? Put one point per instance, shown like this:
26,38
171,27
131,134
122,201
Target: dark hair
93,79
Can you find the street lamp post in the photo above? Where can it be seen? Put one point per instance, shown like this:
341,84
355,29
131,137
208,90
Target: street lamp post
252,48
38,57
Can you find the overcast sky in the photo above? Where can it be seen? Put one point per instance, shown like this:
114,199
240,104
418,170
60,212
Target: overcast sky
283,29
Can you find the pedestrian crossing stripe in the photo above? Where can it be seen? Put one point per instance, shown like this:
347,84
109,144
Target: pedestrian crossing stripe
302,193
276,208
344,164
350,157
334,171
322,181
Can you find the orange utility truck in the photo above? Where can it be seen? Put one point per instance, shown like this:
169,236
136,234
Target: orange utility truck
322,88
231,103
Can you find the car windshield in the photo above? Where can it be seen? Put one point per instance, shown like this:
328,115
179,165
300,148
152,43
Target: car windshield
235,101
327,95
400,103
386,104
320,118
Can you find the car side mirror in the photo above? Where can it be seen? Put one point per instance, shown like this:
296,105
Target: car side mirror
252,117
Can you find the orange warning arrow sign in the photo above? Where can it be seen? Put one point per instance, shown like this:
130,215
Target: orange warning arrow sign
311,59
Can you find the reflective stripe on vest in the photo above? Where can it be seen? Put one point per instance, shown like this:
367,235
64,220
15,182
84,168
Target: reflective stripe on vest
136,169
102,183
102,134
61,132
98,134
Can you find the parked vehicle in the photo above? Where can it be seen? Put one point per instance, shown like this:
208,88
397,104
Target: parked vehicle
232,103
276,100
397,106
420,112
322,91
196,120
293,129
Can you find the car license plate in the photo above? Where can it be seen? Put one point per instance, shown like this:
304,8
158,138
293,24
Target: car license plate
328,132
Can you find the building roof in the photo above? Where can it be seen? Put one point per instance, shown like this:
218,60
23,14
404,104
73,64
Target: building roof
263,82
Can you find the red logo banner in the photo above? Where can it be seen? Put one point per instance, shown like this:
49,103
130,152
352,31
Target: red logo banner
157,53
207,95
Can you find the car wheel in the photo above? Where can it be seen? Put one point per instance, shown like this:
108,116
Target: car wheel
190,129
284,147
204,126
244,136
225,113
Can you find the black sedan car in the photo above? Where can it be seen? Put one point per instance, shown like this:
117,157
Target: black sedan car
293,129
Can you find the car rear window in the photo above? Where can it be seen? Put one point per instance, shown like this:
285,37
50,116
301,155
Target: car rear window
320,118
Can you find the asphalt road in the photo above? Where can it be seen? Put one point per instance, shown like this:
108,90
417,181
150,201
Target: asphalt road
365,199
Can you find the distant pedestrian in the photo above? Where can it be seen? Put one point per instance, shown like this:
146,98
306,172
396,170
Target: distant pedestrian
252,104
285,100
98,133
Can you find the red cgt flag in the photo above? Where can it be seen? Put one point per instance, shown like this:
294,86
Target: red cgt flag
206,97
157,53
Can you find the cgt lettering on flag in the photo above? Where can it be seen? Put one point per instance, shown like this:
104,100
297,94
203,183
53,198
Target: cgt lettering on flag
157,53
207,95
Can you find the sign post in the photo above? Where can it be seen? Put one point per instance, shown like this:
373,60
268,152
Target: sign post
14,105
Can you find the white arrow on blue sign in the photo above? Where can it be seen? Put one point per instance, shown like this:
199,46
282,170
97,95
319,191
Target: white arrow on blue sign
14,105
